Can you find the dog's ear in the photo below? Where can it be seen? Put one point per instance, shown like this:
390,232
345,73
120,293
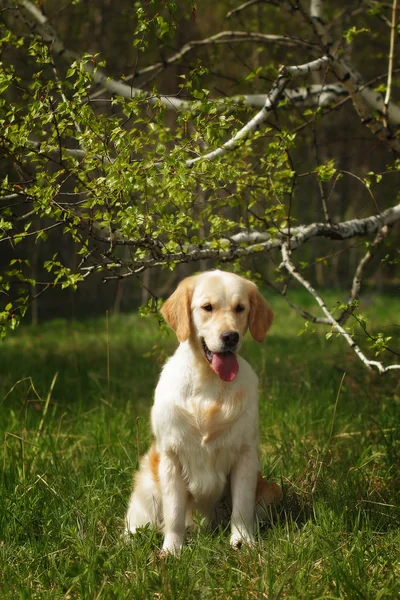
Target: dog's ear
176,310
260,317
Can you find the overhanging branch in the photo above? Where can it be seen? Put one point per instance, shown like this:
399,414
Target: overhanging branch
272,99
290,268
245,243
368,103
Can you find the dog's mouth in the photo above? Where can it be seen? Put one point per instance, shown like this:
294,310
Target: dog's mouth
225,364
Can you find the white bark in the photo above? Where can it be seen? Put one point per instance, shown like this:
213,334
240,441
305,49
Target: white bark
316,7
250,3
272,99
338,231
288,265
310,96
391,59
246,244
365,99
359,272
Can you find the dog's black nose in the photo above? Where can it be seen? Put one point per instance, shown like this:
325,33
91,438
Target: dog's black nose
230,338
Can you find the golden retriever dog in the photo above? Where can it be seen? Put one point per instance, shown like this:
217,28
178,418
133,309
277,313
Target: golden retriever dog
205,415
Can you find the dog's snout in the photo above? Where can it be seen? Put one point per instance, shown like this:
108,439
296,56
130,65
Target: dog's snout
230,338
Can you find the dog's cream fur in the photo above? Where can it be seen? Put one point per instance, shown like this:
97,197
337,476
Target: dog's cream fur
205,429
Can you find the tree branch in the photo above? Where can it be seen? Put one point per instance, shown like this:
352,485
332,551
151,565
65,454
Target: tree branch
316,8
42,26
290,268
223,37
251,3
234,247
358,275
390,65
272,99
337,231
365,100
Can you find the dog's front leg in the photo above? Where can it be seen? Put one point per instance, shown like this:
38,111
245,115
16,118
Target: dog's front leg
243,489
174,501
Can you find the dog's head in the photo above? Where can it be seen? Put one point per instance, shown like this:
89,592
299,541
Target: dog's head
214,310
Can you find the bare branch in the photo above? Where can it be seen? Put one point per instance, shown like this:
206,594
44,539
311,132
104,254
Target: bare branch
311,96
358,275
356,284
391,58
288,265
76,152
251,3
11,238
223,37
366,101
316,95
355,288
272,99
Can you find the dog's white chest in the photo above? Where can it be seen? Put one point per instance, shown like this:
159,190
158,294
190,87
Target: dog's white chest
205,424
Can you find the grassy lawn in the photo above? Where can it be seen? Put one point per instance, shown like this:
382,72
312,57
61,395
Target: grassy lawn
74,415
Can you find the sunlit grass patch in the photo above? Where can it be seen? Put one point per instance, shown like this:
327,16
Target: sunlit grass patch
74,413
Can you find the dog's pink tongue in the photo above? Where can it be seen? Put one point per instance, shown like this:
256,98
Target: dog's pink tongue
225,365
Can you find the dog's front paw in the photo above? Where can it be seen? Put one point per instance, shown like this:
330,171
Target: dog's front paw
239,539
128,533
172,545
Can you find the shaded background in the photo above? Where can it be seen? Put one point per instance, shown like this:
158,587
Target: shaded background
104,28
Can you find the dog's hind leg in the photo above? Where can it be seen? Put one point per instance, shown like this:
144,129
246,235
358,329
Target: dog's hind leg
145,504
267,495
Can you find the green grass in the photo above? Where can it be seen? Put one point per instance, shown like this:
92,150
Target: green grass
68,453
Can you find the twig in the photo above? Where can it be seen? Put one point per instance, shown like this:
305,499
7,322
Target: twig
358,275
288,265
365,100
223,37
245,5
272,99
390,64
25,234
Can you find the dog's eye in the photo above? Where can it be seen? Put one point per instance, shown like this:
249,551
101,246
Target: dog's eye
207,307
239,308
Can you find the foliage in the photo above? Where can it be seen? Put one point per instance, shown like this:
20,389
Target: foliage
130,185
